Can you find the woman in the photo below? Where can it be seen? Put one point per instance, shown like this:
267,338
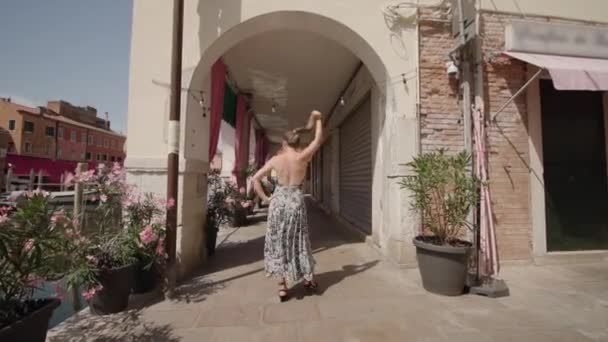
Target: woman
287,252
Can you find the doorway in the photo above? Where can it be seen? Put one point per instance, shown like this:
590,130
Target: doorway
575,175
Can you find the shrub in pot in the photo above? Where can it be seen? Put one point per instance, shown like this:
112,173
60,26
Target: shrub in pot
238,205
104,263
442,190
217,209
145,216
34,248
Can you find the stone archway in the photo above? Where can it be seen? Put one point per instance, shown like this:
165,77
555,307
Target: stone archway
197,127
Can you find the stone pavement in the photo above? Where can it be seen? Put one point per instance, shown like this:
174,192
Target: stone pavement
363,299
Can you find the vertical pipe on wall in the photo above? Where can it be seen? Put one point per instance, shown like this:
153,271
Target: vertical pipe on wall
173,145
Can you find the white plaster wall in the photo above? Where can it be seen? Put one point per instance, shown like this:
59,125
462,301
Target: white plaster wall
210,28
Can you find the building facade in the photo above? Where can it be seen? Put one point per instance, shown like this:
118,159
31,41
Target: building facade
57,137
547,148
378,72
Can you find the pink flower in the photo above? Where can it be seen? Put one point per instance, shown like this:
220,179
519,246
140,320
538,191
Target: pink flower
93,198
69,179
103,198
170,203
229,200
90,293
81,241
158,220
60,292
85,177
160,248
58,216
245,204
92,259
242,190
15,195
29,244
147,235
39,192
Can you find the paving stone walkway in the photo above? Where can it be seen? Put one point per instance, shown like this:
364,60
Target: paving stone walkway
362,299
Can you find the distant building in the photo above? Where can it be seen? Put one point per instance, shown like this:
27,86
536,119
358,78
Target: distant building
56,137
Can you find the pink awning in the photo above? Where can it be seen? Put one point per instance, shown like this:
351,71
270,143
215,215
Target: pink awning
570,73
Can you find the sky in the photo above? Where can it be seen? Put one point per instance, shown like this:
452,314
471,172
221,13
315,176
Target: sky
75,50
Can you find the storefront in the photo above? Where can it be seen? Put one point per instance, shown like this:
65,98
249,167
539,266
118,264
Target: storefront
567,119
543,81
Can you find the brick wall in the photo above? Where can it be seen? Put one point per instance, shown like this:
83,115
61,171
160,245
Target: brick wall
508,143
440,111
441,123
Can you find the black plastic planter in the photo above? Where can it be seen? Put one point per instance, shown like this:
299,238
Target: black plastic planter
238,217
114,296
145,279
32,328
212,230
443,269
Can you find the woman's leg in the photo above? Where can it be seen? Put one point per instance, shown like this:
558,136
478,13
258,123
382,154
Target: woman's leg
283,290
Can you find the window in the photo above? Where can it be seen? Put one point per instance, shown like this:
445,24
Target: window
28,147
119,159
73,136
87,156
11,125
50,131
28,127
83,137
91,139
112,158
105,157
98,157
60,132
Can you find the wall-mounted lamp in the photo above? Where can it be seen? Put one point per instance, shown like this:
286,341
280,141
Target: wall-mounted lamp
342,103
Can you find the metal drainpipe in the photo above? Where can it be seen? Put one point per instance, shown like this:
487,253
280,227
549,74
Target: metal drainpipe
173,144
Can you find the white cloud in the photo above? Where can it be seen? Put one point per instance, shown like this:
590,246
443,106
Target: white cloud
22,100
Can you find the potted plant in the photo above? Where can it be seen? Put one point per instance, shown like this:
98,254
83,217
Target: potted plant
238,205
145,223
33,250
104,263
217,209
442,190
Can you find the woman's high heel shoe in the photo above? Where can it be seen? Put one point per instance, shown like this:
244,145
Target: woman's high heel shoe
283,295
311,287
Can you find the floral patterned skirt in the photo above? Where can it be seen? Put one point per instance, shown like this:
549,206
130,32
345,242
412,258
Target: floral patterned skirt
287,251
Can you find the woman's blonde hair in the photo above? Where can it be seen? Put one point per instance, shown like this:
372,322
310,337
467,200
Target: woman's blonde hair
292,138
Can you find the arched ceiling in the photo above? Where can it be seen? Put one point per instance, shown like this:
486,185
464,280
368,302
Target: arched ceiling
295,71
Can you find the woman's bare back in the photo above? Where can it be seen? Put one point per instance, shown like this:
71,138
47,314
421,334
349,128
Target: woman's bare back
290,167
291,163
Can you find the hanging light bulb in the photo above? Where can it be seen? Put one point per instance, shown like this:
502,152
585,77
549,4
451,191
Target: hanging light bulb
342,103
274,108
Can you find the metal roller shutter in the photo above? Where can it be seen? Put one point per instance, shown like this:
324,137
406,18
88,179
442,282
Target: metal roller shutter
326,155
356,168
